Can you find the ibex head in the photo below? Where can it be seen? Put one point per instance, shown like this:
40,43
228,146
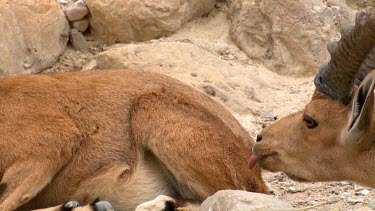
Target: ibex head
335,134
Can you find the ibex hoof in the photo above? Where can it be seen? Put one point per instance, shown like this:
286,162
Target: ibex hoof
103,206
71,205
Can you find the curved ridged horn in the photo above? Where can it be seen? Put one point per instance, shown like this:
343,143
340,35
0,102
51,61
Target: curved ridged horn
366,67
337,79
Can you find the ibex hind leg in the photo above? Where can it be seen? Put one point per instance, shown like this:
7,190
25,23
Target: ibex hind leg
200,151
167,203
22,181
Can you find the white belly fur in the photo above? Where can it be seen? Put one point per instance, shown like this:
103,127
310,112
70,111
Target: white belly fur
146,184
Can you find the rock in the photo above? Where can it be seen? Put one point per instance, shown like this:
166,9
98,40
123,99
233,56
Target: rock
30,45
345,194
90,66
345,183
77,11
371,204
81,25
270,117
360,200
364,192
312,203
242,200
141,20
209,90
288,37
333,199
292,190
353,200
78,41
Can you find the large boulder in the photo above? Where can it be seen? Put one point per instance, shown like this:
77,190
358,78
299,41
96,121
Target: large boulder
141,20
241,200
288,37
33,34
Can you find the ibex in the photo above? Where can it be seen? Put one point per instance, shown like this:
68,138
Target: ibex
123,136
333,137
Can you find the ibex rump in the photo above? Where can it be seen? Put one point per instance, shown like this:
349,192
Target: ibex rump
123,136
333,138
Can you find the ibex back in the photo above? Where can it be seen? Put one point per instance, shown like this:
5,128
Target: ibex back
123,136
333,138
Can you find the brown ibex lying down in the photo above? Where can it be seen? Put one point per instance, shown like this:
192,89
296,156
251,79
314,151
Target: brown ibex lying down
123,136
333,138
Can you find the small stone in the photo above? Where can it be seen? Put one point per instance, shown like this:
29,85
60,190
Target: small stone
292,189
270,117
194,74
358,187
312,203
92,65
354,200
345,194
364,192
283,179
231,57
27,65
209,90
81,25
78,41
371,204
345,183
333,199
77,11
351,200
360,200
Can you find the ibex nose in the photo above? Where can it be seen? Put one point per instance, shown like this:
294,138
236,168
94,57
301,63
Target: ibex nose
259,137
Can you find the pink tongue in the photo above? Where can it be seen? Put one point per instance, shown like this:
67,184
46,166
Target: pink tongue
253,161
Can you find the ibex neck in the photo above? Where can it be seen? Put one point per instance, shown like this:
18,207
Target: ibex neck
363,170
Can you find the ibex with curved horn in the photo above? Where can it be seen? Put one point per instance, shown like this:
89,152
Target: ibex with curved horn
123,136
333,138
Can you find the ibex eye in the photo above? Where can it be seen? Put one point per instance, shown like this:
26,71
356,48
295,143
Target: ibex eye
310,122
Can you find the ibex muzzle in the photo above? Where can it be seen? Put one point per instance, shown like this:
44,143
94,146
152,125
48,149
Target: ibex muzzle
333,137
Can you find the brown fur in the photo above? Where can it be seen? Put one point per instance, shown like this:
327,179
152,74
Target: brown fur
322,153
83,135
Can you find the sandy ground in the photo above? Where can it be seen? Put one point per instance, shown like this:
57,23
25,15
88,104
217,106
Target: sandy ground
290,94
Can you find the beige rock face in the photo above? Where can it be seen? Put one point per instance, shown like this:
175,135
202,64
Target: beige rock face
140,20
288,37
236,85
360,4
33,34
189,64
242,200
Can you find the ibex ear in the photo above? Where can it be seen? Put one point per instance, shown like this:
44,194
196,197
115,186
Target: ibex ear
362,107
